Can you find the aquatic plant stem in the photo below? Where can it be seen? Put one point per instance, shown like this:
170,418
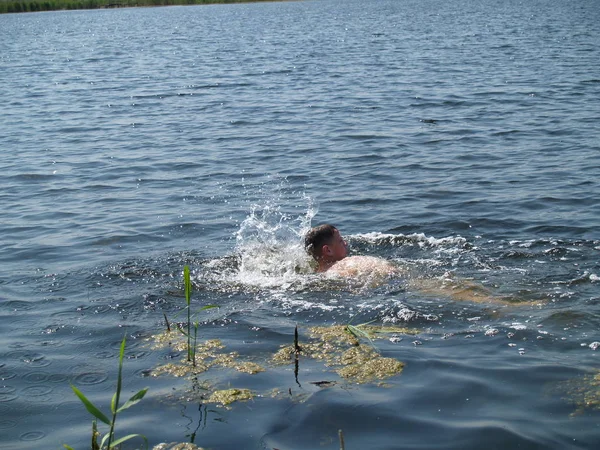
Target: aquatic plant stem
188,298
167,322
191,346
297,351
341,436
95,435
195,343
297,348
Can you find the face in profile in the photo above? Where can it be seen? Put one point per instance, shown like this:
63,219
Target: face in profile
337,248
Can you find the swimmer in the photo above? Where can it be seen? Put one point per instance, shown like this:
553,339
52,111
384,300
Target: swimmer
329,249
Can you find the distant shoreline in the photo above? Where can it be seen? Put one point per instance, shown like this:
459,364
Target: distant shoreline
24,6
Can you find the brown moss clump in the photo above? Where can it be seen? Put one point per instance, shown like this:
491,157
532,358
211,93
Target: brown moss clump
284,355
169,338
208,355
590,392
175,446
227,396
314,350
248,367
179,370
340,347
583,392
336,334
363,364
178,342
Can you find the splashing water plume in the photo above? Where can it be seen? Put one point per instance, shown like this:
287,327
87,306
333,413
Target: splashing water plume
269,245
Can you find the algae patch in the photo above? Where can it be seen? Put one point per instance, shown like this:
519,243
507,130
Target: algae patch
583,392
363,364
209,355
175,446
340,347
227,396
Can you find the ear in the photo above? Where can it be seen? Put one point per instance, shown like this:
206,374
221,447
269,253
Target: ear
325,250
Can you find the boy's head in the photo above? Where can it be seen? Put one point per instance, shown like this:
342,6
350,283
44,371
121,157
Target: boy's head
325,244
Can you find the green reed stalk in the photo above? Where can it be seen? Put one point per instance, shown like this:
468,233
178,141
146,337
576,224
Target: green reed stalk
167,323
109,438
95,435
188,299
191,346
195,341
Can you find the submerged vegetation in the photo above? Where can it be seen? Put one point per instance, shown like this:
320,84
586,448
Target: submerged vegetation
201,357
583,392
338,347
18,6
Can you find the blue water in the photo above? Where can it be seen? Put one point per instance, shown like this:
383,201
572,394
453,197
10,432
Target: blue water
457,139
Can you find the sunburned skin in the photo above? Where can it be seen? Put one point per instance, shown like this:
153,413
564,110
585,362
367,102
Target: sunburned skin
364,271
373,271
355,266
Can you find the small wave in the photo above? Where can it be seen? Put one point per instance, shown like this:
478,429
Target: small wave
420,239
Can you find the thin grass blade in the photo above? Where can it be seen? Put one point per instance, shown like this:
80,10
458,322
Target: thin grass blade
119,376
358,333
180,328
188,284
113,403
104,439
126,438
133,400
204,308
90,406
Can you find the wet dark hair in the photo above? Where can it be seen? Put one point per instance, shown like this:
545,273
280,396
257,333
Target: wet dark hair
317,237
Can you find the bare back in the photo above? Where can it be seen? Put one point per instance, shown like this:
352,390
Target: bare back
363,266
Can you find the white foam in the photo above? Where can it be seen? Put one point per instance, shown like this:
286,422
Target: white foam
416,238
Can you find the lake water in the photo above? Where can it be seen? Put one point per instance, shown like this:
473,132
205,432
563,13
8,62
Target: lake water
459,140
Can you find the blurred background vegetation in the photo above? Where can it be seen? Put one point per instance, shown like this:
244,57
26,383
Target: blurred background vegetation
17,6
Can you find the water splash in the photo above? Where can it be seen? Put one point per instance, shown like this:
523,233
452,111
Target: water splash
270,244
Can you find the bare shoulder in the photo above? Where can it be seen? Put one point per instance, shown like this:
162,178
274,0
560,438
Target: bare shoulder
354,266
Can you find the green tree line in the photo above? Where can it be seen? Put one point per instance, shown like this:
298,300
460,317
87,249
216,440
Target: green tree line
18,6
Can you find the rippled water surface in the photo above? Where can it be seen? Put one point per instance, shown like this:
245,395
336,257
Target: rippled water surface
458,140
